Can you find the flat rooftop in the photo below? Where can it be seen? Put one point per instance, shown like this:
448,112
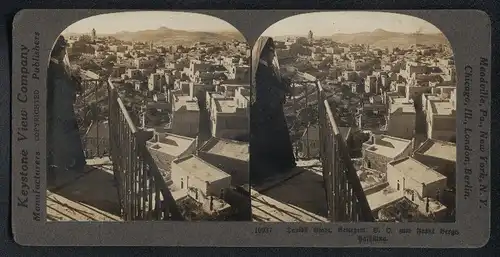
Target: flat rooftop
389,196
403,107
225,147
179,194
172,144
383,198
198,168
235,85
399,103
216,95
186,103
370,178
441,107
433,97
267,209
225,105
183,84
447,88
439,149
417,170
388,146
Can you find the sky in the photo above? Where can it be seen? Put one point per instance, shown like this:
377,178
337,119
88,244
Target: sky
329,23
144,20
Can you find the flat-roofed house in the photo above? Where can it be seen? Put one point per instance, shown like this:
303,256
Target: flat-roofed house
193,172
441,120
182,86
422,185
166,147
185,116
228,89
408,173
440,155
228,120
209,96
392,205
425,100
203,182
229,156
382,149
401,118
198,91
242,97
415,92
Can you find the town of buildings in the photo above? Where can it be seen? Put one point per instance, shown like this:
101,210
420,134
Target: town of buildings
396,110
193,100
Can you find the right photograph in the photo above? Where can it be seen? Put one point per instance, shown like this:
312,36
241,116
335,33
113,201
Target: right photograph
353,119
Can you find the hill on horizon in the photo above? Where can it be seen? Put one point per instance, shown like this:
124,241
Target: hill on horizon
167,36
383,38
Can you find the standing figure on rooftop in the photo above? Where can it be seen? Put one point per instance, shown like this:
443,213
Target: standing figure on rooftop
270,144
64,143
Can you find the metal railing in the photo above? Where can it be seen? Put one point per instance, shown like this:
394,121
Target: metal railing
346,200
91,118
142,191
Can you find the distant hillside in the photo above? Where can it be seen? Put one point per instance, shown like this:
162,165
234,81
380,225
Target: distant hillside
382,38
167,36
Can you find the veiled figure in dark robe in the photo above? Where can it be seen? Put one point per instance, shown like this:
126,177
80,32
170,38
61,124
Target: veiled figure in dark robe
64,142
271,148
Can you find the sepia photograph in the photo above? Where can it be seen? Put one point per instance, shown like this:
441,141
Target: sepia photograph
148,119
353,119
341,131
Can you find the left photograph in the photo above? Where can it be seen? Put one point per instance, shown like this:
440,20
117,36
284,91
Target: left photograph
147,119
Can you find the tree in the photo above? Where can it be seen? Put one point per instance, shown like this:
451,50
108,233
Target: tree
82,46
109,61
325,63
89,65
303,66
110,58
72,56
85,39
160,61
297,49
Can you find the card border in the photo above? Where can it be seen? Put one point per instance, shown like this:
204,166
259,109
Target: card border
469,32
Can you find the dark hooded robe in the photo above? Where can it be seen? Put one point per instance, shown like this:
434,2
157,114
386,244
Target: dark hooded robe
270,145
64,142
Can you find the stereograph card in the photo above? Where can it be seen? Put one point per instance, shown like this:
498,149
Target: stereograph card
251,128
